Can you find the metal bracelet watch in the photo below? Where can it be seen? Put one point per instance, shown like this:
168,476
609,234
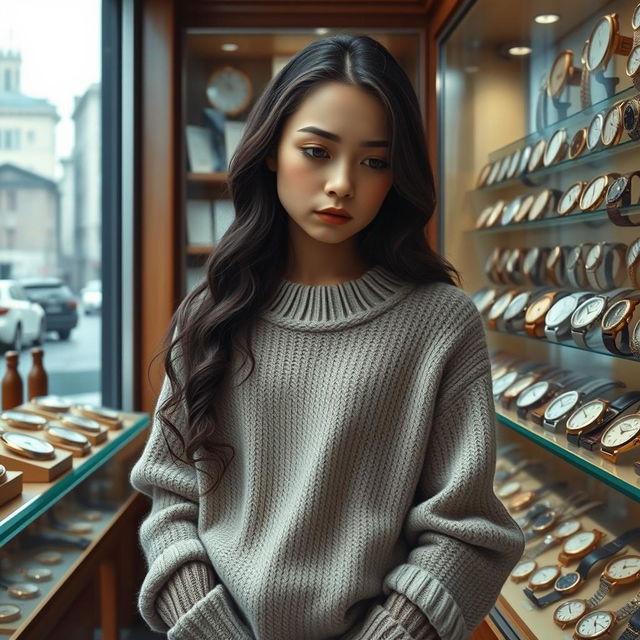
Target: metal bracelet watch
585,566
604,621
585,426
558,319
576,275
632,632
615,324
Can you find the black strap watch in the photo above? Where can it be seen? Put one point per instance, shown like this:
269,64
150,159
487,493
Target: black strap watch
632,632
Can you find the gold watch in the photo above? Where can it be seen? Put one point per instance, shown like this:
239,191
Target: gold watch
622,435
534,318
579,545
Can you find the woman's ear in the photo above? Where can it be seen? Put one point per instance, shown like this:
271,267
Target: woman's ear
271,163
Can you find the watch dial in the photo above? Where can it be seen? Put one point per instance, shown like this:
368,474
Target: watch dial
228,90
593,192
570,198
510,210
561,405
500,305
616,189
578,142
629,115
621,431
530,259
538,309
496,212
544,520
633,251
594,256
544,575
558,73
525,207
520,385
635,18
514,162
524,159
623,568
579,542
504,167
509,489
611,125
561,310
633,61
567,581
570,611
615,314
484,217
495,167
567,528
587,312
575,255
539,206
35,445
503,383
534,393
595,624
599,43
27,418
517,305
593,133
585,415
483,175
536,155
484,299
551,153
523,569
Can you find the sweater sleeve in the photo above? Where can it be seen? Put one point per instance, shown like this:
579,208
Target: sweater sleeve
464,542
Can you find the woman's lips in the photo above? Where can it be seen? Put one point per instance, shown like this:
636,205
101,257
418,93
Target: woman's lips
332,219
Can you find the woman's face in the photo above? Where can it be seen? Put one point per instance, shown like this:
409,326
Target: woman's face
341,161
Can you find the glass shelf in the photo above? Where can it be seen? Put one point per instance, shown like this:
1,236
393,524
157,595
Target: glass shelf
37,498
620,477
572,123
566,343
600,215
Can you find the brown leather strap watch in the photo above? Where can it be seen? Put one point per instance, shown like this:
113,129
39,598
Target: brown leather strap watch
615,325
534,318
619,195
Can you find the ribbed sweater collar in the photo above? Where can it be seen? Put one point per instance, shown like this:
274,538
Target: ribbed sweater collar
330,307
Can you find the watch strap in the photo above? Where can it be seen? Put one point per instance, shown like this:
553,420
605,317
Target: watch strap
632,632
603,589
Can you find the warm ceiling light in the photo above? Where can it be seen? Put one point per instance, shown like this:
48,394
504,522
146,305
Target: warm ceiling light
322,31
230,46
520,51
547,18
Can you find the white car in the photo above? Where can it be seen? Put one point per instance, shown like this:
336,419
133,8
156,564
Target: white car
91,295
21,321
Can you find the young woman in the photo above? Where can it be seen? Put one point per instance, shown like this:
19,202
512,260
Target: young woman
339,485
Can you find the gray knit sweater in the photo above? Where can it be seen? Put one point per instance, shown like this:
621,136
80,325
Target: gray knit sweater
365,454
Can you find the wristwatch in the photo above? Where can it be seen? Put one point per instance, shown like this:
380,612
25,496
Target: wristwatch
570,199
619,195
515,312
543,204
525,207
560,385
510,211
620,436
558,319
594,192
575,272
605,41
514,163
579,545
555,265
535,315
578,143
491,265
585,425
526,498
604,265
533,265
615,324
537,395
483,175
632,259
562,74
512,392
537,155
600,624
622,570
484,299
593,131
494,316
482,219
632,632
633,65
556,148
513,266
631,117
496,213
523,570
612,126
585,321
544,577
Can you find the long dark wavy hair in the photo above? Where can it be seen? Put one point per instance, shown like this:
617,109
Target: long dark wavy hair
247,265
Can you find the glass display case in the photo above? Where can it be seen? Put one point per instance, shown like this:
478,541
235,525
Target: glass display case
64,486
539,153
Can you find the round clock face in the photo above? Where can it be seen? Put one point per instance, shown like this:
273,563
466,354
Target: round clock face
567,581
599,43
24,418
616,189
635,18
578,142
570,198
593,193
533,394
558,74
585,415
624,568
593,132
523,569
544,575
484,299
569,612
561,311
567,528
484,217
621,431
38,575
500,305
517,305
228,90
538,309
579,542
29,443
514,163
520,385
615,314
536,155
629,115
633,252
525,156
501,384
633,61
540,204
509,489
593,256
510,210
553,151
562,405
495,167
587,312
612,126
525,207
595,624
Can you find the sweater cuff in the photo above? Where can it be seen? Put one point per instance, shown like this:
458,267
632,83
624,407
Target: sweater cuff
429,594
166,564
211,617
379,623
189,583
410,617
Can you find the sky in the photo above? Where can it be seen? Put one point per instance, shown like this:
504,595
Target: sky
60,43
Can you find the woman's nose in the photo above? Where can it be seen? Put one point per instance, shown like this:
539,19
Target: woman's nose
340,182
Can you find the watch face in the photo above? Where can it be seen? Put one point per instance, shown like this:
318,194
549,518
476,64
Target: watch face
30,419
615,314
484,299
595,624
575,255
533,394
612,126
544,521
48,557
578,142
635,18
525,207
633,252
540,204
553,150
531,258
536,155
85,424
484,217
569,612
501,384
616,189
496,212
500,305
544,575
623,568
510,210
68,435
599,42
509,489
228,90
579,542
593,193
514,162
587,312
586,415
53,403
538,309
525,155
621,431
567,581
593,132
29,443
483,175
520,385
562,405
594,256
9,612
495,167
633,61
567,528
630,115
504,167
570,197
558,73
523,569
561,311
517,305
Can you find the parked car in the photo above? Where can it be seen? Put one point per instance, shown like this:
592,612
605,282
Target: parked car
58,302
21,320
91,295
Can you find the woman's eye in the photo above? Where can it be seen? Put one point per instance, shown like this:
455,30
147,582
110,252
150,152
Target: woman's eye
377,162
382,164
312,149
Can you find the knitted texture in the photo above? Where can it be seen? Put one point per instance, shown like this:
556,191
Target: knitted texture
365,454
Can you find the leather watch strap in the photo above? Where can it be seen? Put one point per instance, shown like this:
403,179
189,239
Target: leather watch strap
614,211
619,342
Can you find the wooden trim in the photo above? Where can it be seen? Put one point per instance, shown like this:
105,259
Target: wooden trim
159,264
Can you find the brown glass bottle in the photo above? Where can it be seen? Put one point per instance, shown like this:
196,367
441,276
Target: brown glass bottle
37,381
12,389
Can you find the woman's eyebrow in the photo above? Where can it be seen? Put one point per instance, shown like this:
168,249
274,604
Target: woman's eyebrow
336,138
